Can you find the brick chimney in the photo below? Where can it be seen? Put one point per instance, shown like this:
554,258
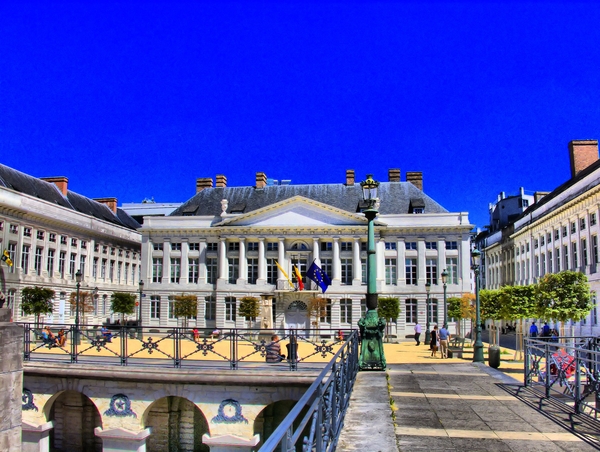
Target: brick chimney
350,177
415,178
221,181
261,180
202,183
582,154
394,175
111,203
538,195
61,182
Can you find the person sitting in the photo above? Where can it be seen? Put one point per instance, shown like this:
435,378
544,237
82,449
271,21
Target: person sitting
106,334
62,338
196,334
292,349
274,351
48,337
215,333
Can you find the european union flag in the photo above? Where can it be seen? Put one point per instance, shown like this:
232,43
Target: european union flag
319,276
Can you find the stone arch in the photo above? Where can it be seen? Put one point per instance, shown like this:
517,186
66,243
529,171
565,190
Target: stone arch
271,416
177,425
75,417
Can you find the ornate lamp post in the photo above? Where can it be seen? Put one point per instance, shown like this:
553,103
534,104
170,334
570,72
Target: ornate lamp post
371,326
427,332
444,281
78,278
140,334
478,347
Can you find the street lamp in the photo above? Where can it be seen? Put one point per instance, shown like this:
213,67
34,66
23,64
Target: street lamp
140,334
478,346
371,326
427,332
444,281
78,278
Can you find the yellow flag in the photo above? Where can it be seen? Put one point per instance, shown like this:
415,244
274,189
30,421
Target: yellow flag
6,258
284,274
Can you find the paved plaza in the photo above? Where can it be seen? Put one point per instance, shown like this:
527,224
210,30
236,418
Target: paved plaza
456,405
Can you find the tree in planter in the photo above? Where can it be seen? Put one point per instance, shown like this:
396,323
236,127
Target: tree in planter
86,304
563,296
389,309
123,303
461,308
249,309
36,300
317,307
186,307
518,303
455,312
491,306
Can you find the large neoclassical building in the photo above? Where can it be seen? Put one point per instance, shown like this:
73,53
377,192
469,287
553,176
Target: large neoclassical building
225,243
50,232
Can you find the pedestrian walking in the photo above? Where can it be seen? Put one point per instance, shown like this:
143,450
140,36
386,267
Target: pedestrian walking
444,338
417,332
533,330
434,345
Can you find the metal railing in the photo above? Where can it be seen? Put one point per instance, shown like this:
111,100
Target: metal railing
567,371
317,419
182,347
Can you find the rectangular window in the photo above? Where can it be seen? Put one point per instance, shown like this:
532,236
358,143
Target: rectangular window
37,260
584,254
581,224
210,310
72,261
234,269
549,237
411,271
535,243
573,227
127,272
272,246
411,245
327,312
212,246
252,246
211,270
133,267
171,308
346,265
233,246
194,246
564,231
193,265
431,270
543,263
411,310
363,307
452,270
431,245
326,246
557,260
62,257
574,260
175,270
155,307
74,242
452,245
119,270
391,272
157,246
390,245
50,262
83,244
433,310
230,311
346,310
40,235
556,235
111,271
271,271
565,257
542,241
327,266
594,249
82,264
14,229
52,237
175,246
252,271
593,219
550,261
26,232
25,259
157,269
345,246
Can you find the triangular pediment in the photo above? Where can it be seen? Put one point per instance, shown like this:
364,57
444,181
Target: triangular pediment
296,211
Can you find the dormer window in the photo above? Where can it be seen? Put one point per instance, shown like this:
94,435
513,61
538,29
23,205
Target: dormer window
417,205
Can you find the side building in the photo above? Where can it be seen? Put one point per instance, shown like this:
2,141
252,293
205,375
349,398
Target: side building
558,232
51,232
225,243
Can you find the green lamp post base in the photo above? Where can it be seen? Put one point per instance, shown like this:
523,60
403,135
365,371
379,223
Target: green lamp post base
371,346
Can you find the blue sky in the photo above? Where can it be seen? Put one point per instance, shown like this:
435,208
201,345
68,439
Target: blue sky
138,99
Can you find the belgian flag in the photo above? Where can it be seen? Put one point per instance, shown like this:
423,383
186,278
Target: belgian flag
6,258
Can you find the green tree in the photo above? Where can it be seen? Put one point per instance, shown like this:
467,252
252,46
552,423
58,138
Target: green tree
186,307
36,300
491,308
518,303
123,303
389,309
86,304
454,308
249,308
563,296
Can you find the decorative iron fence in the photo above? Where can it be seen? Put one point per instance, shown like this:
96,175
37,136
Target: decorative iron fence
317,419
567,371
182,347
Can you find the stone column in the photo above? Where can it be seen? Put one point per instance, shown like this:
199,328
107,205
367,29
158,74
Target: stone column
121,440
11,382
262,263
37,438
230,443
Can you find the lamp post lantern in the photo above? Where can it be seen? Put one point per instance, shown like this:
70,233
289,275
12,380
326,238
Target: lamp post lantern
478,346
140,334
78,279
444,281
427,332
371,325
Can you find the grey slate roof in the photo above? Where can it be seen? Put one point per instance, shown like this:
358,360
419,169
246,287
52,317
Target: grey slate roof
395,198
47,191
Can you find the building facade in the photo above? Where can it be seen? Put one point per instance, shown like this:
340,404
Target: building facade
226,243
51,232
558,232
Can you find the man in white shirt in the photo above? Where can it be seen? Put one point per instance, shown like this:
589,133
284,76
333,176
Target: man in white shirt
417,332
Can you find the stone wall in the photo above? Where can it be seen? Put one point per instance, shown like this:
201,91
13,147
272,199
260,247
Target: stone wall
11,382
